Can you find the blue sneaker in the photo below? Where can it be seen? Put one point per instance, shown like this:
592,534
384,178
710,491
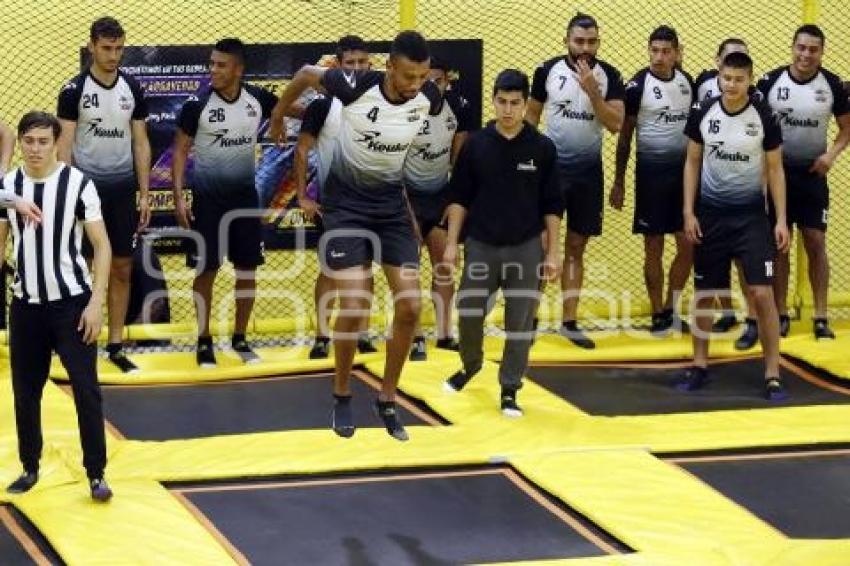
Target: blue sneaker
695,378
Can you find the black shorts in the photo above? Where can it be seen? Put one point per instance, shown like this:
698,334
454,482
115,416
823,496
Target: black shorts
428,208
583,198
658,198
118,208
351,239
807,198
243,233
745,236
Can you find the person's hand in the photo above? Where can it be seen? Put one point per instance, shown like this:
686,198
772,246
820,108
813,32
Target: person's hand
182,213
27,209
144,212
277,131
822,165
617,195
586,79
91,321
551,267
783,237
310,207
692,229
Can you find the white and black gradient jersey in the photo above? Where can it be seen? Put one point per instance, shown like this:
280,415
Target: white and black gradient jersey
103,140
225,137
734,146
661,108
803,110
708,84
426,169
322,121
47,259
366,171
568,114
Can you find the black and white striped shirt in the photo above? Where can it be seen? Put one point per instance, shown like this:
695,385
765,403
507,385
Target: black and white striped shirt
47,258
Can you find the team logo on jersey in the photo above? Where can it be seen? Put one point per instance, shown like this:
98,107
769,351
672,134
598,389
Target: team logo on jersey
425,152
752,129
124,103
631,84
451,123
684,89
563,110
820,95
69,86
527,166
250,110
717,152
369,138
351,78
786,118
664,115
97,131
220,138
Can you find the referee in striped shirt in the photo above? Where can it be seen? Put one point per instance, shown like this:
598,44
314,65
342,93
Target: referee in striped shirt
56,306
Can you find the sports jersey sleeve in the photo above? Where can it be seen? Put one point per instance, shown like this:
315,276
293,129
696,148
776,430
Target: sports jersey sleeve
772,129
266,99
349,86
840,101
766,82
7,197
189,116
140,109
538,82
434,96
551,199
462,188
463,112
692,126
68,107
88,205
634,93
692,84
616,89
315,115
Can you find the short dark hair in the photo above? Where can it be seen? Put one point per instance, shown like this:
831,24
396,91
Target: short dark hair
349,43
729,41
231,46
812,30
664,33
410,44
39,119
582,20
738,60
440,64
511,80
106,27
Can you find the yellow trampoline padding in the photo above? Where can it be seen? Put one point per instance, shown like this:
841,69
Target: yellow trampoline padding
832,356
647,503
143,523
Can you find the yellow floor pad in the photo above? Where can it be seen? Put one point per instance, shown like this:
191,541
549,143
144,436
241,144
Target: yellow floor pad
832,356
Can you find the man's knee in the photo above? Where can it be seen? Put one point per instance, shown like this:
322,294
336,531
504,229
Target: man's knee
120,269
407,309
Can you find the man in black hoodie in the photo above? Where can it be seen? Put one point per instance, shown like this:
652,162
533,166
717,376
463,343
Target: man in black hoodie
504,191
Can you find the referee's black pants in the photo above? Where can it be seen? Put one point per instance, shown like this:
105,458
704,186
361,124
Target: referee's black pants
35,331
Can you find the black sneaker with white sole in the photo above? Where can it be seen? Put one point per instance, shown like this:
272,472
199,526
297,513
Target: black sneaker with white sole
822,330
725,323
457,381
205,355
509,405
749,336
386,411
574,334
119,358
418,350
784,325
321,348
342,418
244,350
23,484
100,490
448,343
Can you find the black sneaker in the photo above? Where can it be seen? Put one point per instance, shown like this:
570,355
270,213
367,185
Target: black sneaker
100,490
204,355
775,390
321,348
509,405
244,351
448,343
749,337
342,419
784,325
119,358
725,323
571,331
364,345
695,378
679,324
456,382
387,412
822,330
24,483
660,324
418,351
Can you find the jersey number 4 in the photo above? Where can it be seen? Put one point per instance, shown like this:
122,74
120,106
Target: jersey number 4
91,101
216,115
373,114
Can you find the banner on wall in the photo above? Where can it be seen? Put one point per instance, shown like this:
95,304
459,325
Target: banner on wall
171,73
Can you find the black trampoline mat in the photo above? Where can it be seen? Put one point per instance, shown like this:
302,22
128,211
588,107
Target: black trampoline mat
802,494
166,412
442,517
20,543
647,389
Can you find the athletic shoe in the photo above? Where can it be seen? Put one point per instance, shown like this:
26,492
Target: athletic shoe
571,331
695,378
100,490
660,324
418,351
24,483
321,348
205,355
775,390
749,337
784,325
456,382
245,352
725,323
364,345
387,412
679,324
119,358
448,343
822,330
342,420
509,405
